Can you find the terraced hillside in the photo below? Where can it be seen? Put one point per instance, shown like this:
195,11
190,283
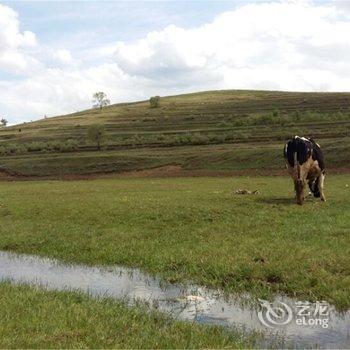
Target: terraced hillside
200,133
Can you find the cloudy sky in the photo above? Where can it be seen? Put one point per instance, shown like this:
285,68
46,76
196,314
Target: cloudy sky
55,55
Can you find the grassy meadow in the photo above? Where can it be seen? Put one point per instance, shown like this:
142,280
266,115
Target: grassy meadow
191,229
182,228
32,318
212,131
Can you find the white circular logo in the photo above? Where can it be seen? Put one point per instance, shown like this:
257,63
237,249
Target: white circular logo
274,314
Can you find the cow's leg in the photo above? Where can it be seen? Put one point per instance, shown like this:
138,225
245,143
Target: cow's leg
312,186
299,190
320,186
300,183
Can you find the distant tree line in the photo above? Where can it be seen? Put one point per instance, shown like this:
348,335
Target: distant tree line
100,100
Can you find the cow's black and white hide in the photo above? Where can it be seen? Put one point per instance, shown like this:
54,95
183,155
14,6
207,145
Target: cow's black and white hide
305,164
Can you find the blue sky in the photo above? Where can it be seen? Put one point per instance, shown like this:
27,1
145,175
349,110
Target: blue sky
55,55
83,24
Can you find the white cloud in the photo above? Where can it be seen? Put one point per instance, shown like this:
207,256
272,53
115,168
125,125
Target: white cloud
59,90
13,42
281,45
276,45
64,56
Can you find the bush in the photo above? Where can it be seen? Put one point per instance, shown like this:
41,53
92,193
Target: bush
16,149
238,122
13,149
69,146
35,146
266,119
135,140
154,101
96,133
275,113
43,147
21,149
51,146
198,139
296,116
161,137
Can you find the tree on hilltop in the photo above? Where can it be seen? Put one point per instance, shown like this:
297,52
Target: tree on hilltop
154,101
100,100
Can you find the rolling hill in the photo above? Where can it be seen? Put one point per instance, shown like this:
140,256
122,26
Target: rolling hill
214,132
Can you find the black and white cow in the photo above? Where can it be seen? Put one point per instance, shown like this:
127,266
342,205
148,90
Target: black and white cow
305,164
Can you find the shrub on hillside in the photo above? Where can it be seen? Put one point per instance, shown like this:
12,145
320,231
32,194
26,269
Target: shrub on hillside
133,140
11,149
35,146
275,113
3,151
198,139
69,146
296,116
154,101
16,149
43,147
161,137
52,146
96,133
266,119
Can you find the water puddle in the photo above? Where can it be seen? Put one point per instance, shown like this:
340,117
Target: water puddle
190,302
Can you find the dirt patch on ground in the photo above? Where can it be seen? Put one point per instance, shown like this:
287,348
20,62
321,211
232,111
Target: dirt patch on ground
161,172
179,171
4,175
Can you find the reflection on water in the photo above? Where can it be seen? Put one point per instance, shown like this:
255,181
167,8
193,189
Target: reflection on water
190,302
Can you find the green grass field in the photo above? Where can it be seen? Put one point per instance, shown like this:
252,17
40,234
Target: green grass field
181,229
210,131
32,318
191,229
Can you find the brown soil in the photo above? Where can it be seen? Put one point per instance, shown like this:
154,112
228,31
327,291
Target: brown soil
4,175
178,171
162,172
